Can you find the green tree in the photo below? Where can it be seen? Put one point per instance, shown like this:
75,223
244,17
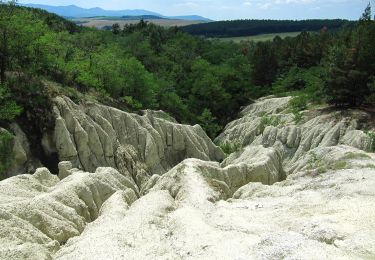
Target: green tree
8,107
366,16
208,122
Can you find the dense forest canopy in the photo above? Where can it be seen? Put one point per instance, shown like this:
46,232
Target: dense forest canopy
146,66
238,28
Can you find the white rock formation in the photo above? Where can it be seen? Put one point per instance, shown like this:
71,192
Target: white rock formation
94,135
293,191
308,216
292,140
38,213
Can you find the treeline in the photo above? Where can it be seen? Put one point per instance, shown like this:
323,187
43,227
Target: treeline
195,80
238,28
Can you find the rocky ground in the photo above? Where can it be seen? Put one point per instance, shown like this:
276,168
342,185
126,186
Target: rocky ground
144,187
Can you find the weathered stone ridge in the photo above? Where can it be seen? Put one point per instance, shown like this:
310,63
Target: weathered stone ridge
292,140
291,190
94,135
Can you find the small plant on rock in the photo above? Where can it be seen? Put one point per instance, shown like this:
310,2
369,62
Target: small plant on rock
296,105
229,148
269,121
371,134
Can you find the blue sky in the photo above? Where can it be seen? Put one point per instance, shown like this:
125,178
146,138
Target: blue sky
232,9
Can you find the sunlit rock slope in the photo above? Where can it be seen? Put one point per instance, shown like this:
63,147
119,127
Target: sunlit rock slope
291,190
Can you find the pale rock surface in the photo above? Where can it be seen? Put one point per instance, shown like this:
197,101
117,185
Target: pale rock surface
38,213
292,191
93,135
292,140
189,213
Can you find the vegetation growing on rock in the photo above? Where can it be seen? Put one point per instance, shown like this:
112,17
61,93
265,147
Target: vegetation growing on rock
146,66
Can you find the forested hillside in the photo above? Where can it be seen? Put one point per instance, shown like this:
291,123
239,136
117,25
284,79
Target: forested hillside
195,80
238,28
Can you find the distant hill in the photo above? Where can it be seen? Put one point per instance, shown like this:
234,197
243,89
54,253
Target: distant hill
73,11
144,17
238,28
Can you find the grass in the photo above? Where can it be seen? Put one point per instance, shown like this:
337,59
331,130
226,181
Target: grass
372,136
323,167
269,121
353,156
229,148
259,38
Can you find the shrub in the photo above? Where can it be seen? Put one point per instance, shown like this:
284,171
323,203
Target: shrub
372,136
133,103
36,99
208,123
269,121
229,148
6,152
296,105
8,108
310,82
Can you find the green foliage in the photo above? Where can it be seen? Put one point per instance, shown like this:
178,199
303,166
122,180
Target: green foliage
36,99
229,148
195,80
134,104
353,156
6,152
8,107
296,105
315,162
371,134
269,121
366,16
310,82
208,122
237,28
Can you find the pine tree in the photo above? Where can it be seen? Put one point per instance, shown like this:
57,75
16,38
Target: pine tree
366,16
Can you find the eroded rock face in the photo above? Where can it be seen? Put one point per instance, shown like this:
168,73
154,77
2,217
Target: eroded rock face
94,135
292,191
38,213
19,158
190,213
269,123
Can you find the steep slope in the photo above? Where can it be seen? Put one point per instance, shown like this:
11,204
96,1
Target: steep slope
94,135
293,191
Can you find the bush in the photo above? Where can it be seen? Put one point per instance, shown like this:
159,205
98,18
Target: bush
36,99
208,122
372,136
6,153
8,108
296,105
229,148
307,82
268,121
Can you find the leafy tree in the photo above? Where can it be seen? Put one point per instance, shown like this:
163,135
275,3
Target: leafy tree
8,108
366,16
207,121
264,64
116,28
